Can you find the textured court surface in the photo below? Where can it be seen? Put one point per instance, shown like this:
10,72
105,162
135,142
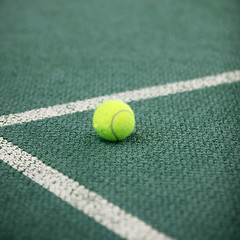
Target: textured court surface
177,65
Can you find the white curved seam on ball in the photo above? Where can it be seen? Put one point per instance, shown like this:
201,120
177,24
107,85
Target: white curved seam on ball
113,120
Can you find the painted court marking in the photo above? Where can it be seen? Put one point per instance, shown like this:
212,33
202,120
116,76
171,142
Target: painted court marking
70,191
128,96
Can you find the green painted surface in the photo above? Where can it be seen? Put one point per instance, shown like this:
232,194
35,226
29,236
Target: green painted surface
179,171
54,52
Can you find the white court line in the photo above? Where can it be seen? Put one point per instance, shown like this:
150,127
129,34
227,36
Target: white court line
92,204
70,191
128,96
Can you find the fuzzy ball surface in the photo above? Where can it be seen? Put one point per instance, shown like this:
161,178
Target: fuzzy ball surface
113,120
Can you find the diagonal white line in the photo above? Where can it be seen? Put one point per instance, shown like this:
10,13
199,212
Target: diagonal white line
128,96
70,191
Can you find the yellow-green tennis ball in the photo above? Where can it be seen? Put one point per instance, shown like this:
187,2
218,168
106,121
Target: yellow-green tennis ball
113,120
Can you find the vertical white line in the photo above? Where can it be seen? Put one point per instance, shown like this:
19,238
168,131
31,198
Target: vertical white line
70,191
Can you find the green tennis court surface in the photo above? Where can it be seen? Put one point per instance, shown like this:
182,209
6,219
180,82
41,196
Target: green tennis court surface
176,63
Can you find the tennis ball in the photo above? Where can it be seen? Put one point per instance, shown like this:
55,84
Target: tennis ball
113,120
